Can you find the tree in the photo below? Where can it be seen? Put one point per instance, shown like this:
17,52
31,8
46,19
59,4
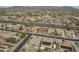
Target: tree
12,40
22,34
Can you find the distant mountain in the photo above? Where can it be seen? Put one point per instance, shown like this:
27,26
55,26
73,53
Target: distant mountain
42,8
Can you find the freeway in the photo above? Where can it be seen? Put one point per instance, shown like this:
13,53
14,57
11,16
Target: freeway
42,24
54,36
9,30
44,35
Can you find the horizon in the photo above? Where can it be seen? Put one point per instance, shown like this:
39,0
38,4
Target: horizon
77,7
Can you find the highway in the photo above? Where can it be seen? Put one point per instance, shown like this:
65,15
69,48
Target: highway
9,30
54,36
44,35
53,25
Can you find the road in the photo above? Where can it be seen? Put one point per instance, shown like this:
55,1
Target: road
45,35
42,24
21,43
